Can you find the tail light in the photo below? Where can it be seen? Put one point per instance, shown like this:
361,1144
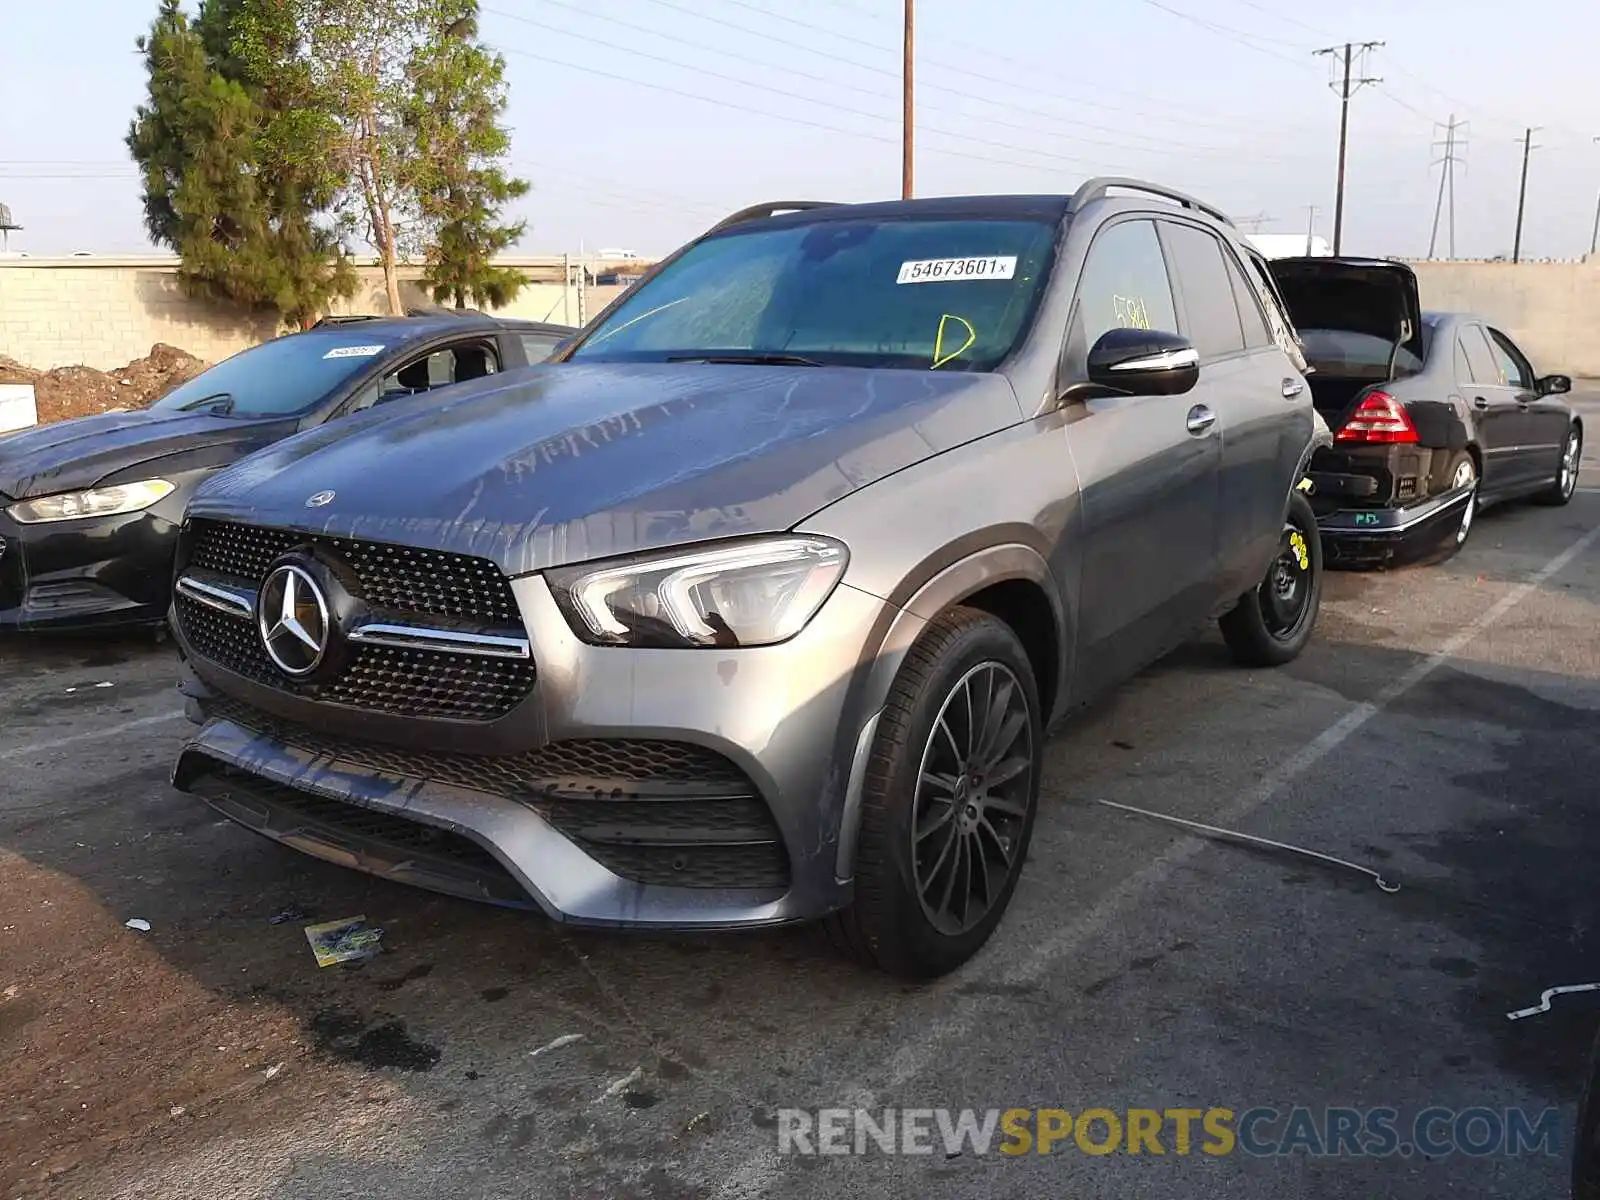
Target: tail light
1378,418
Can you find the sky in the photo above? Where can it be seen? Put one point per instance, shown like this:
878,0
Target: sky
641,122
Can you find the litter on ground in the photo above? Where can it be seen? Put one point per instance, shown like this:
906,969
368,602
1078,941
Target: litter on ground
343,941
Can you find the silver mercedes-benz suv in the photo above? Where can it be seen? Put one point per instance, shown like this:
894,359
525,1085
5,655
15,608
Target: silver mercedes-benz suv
756,604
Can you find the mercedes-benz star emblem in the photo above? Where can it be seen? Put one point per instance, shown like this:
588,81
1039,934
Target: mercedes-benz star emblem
318,500
292,616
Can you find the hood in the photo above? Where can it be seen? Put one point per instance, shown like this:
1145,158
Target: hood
1356,295
68,455
579,461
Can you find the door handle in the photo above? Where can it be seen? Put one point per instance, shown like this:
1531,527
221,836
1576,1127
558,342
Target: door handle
1292,388
1201,419
1479,402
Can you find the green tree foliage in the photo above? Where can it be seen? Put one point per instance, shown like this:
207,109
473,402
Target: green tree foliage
236,171
458,96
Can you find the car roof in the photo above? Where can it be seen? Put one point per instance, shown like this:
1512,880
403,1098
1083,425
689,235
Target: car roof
1020,207
407,329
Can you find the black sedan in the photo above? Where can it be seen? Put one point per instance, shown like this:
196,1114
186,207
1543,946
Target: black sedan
1434,415
90,508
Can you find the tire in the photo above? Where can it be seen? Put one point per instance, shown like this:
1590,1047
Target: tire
1566,481
1271,623
890,925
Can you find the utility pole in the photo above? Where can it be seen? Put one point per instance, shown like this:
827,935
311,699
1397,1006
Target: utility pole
1447,181
1594,238
1522,192
907,121
1345,86
1311,227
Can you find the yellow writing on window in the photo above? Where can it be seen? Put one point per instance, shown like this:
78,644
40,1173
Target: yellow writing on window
1130,312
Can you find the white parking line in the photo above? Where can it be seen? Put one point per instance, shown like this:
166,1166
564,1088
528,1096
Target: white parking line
936,1033
74,739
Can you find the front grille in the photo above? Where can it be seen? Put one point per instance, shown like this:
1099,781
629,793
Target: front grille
652,811
420,683
399,578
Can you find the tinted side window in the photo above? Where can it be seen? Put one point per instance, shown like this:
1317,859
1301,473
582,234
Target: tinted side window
1213,317
1485,371
1256,333
1515,368
1124,285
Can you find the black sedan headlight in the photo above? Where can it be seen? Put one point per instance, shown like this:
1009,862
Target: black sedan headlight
753,593
109,501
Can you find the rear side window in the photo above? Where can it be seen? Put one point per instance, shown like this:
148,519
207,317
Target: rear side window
1213,316
1256,333
1463,367
1485,372
1124,285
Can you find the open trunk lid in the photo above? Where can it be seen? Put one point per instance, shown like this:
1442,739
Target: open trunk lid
1360,322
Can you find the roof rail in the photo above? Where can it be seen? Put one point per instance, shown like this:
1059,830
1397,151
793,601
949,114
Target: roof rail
1096,189
345,319
773,207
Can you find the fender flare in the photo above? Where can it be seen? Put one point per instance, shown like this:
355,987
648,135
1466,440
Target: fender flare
963,578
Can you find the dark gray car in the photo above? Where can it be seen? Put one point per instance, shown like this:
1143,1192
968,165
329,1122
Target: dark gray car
756,606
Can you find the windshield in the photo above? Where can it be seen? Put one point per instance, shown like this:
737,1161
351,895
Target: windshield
948,295
277,378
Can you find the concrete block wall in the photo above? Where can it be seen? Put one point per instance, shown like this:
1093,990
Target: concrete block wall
106,312
1550,309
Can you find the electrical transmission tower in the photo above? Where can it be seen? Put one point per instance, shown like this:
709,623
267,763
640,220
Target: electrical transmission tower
1354,56
1454,143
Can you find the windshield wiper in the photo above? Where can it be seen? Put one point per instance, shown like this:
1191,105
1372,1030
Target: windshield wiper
757,357
220,403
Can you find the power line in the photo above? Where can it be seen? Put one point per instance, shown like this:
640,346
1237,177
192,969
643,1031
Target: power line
1167,117
1247,40
1345,93
1447,182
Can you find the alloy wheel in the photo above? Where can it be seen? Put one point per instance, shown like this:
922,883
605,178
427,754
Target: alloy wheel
1466,476
971,803
1569,464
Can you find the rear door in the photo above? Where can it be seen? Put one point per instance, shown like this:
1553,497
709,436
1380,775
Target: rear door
1149,482
1248,383
1495,409
1540,422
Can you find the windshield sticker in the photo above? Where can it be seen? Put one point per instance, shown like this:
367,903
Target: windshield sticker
939,270
353,352
940,355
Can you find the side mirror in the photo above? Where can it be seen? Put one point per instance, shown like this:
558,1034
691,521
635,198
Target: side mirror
1554,385
1144,362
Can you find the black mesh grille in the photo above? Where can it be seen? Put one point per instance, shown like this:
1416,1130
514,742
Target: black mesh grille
651,811
420,683
401,578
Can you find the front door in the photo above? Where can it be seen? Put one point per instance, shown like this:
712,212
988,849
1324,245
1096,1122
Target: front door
1541,421
1148,471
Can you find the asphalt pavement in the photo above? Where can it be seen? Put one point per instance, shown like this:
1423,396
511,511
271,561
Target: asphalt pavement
1440,731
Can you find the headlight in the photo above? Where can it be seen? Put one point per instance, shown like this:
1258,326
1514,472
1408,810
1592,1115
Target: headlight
96,502
743,594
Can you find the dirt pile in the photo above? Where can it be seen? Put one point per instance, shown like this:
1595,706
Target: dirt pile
81,391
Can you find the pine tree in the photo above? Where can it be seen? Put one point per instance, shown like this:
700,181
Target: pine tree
235,172
459,94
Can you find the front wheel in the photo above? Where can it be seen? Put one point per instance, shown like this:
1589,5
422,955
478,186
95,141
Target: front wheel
1566,480
949,803
1272,623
